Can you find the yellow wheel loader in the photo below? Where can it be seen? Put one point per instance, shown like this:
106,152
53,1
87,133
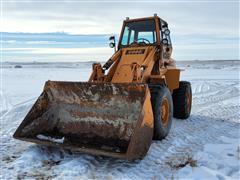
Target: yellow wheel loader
126,103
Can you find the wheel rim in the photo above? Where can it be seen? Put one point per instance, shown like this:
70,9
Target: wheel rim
165,112
189,101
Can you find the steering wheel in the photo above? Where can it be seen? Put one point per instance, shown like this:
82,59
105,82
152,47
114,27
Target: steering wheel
145,41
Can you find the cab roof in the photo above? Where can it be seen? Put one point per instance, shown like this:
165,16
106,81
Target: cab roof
145,18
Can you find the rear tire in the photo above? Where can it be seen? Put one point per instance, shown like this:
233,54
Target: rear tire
162,106
182,100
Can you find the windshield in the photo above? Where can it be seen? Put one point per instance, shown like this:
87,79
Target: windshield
139,32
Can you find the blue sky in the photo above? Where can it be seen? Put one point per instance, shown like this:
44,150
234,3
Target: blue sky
72,30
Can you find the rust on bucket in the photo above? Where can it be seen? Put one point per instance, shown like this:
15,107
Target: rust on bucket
97,118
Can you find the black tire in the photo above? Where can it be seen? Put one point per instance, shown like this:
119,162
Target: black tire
182,100
159,96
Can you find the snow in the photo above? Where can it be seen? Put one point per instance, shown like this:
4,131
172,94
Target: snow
216,161
43,137
205,146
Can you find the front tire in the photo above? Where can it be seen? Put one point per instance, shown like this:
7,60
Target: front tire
162,106
182,100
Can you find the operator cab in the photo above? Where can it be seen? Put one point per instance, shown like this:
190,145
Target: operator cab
139,33
144,31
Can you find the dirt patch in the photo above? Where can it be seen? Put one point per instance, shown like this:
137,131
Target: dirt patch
9,159
184,162
35,175
51,163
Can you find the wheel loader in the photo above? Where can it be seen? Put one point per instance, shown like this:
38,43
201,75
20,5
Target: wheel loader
126,103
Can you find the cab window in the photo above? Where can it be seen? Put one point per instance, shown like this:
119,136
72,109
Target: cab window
139,32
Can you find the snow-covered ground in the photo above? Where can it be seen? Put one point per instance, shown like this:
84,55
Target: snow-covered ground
205,146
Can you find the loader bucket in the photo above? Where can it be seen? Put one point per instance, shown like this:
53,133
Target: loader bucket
97,118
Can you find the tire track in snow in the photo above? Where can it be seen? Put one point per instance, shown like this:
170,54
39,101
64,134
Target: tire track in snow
204,100
16,113
14,108
5,103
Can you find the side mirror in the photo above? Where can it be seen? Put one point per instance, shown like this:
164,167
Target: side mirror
112,38
166,32
165,41
112,43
